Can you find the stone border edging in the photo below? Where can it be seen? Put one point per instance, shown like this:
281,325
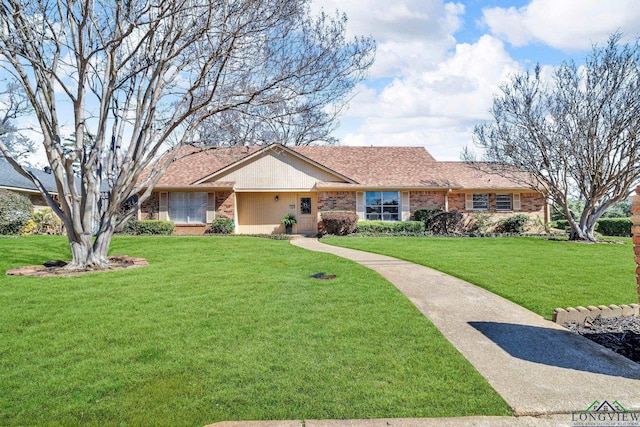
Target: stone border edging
124,261
579,314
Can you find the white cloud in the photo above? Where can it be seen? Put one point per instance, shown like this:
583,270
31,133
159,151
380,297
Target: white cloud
567,24
410,33
435,107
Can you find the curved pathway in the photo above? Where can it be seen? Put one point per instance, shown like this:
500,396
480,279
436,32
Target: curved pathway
538,367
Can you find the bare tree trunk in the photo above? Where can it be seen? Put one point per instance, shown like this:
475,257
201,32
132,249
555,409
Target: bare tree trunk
83,255
583,230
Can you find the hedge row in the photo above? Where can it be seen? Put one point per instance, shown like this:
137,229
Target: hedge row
391,227
614,226
148,226
607,226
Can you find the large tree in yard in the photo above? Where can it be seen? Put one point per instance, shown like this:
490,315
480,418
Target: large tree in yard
130,80
13,105
576,134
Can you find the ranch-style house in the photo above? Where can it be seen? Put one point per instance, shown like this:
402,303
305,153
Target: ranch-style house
258,186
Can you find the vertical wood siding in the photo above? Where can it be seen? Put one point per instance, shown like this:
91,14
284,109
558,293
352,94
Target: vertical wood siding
260,213
281,171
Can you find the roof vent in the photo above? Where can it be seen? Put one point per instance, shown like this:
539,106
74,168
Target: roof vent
47,169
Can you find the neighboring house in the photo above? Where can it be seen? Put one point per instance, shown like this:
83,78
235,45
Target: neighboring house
13,181
257,186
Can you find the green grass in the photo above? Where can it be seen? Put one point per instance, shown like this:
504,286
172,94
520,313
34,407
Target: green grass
535,273
219,329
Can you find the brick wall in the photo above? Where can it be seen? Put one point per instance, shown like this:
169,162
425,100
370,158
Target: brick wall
190,230
426,200
225,204
531,203
336,201
635,229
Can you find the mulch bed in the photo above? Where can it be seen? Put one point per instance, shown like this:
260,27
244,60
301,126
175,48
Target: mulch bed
57,268
620,334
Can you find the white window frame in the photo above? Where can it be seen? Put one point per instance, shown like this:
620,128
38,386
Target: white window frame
480,202
384,216
191,203
506,197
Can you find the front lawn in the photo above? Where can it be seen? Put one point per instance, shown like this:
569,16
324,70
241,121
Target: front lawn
219,329
535,273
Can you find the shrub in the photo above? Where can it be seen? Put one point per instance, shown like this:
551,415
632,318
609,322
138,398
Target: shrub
562,224
438,221
46,222
221,226
148,226
339,223
481,222
391,227
15,212
426,216
446,223
512,224
29,228
614,226
129,227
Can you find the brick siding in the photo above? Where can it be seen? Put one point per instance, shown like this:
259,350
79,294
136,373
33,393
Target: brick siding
336,201
426,200
225,204
532,204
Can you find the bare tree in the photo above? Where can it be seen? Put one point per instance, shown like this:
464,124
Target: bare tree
292,123
13,105
126,77
577,136
312,114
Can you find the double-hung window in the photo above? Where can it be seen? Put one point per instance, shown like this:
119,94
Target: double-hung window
188,208
382,205
481,202
504,202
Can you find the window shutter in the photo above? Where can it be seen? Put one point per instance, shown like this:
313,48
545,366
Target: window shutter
406,212
360,205
468,202
163,215
211,207
517,206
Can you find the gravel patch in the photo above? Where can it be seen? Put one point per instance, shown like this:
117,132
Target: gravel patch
620,334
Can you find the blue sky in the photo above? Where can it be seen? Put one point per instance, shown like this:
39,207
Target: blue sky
439,63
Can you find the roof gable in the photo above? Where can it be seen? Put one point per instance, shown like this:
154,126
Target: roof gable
275,167
279,167
191,164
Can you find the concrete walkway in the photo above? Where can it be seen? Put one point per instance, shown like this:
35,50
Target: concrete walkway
537,367
544,372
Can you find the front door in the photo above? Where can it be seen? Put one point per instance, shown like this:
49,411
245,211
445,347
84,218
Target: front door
307,222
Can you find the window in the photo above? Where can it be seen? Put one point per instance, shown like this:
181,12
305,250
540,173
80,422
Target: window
481,202
503,202
305,206
382,205
188,208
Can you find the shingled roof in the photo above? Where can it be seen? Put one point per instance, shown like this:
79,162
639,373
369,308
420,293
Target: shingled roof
194,163
365,166
12,180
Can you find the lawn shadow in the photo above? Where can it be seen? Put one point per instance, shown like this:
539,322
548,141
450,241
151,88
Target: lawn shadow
559,348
